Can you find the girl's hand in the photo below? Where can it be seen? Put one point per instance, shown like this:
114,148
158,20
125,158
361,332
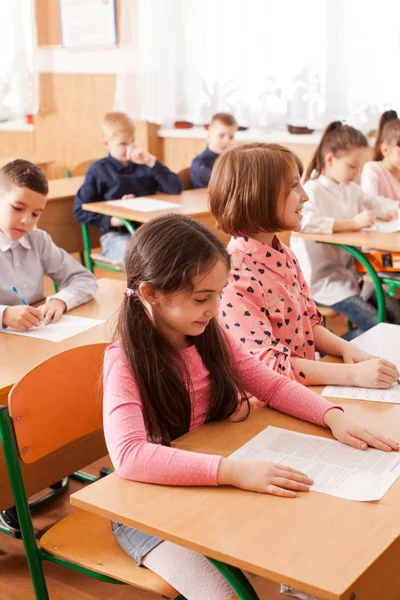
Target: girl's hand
365,218
352,354
374,373
391,215
354,435
21,317
127,196
52,310
263,477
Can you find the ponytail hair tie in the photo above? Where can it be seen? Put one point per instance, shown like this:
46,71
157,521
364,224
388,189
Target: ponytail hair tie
129,293
338,124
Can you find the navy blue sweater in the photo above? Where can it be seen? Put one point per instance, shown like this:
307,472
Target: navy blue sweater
202,165
108,179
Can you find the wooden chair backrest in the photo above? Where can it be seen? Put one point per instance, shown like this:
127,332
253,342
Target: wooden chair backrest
58,402
81,168
284,237
186,181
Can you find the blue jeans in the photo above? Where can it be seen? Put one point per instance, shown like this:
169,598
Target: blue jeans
113,244
364,314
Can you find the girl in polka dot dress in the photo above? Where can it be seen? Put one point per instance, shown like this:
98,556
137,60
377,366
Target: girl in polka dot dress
174,368
255,191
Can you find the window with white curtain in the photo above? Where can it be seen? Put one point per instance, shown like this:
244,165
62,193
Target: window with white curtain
270,63
18,77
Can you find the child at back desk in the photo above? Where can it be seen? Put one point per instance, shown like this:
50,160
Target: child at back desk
337,203
381,177
220,135
172,369
126,172
26,255
266,304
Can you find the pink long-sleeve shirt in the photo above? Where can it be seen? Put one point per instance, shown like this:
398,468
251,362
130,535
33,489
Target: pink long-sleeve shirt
266,305
134,457
377,180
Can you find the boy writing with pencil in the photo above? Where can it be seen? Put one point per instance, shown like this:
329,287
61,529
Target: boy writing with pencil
27,254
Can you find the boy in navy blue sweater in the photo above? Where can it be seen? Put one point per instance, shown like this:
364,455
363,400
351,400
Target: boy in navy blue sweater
126,172
221,132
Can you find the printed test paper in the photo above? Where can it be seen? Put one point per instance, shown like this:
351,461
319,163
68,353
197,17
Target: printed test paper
336,469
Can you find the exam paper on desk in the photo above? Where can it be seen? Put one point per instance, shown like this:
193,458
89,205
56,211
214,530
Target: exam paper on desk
143,204
337,469
382,340
66,327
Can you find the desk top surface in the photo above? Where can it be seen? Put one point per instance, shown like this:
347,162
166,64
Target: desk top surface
19,354
324,545
65,187
190,202
364,239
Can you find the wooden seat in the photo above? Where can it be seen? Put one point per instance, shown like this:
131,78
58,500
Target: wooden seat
97,256
52,427
86,539
327,313
185,178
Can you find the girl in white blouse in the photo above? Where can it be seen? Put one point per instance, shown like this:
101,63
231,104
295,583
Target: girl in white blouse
336,204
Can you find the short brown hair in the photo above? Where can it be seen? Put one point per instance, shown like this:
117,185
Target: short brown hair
225,118
23,174
116,123
246,185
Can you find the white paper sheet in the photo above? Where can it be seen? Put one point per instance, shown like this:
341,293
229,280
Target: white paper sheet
385,226
66,327
143,204
336,469
382,340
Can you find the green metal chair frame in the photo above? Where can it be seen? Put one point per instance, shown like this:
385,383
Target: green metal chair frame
90,263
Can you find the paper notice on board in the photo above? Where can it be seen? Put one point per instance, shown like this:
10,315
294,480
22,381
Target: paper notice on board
382,340
337,470
143,204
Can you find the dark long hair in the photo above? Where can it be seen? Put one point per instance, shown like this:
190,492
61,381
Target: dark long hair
167,253
336,138
388,132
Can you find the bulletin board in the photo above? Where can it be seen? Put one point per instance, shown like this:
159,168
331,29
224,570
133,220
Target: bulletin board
48,22
88,24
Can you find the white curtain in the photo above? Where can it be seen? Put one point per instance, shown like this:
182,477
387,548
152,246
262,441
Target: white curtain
18,76
269,63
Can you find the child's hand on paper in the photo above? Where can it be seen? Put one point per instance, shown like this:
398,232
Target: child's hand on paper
365,218
391,215
374,373
21,317
52,311
348,432
142,157
263,477
352,354
127,196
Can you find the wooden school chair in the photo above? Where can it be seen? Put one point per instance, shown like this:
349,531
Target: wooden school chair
51,427
185,178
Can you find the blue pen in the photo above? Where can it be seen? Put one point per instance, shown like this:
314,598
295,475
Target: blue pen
21,298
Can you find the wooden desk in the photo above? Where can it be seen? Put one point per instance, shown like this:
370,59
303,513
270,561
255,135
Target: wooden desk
351,242
330,547
193,203
58,219
20,354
